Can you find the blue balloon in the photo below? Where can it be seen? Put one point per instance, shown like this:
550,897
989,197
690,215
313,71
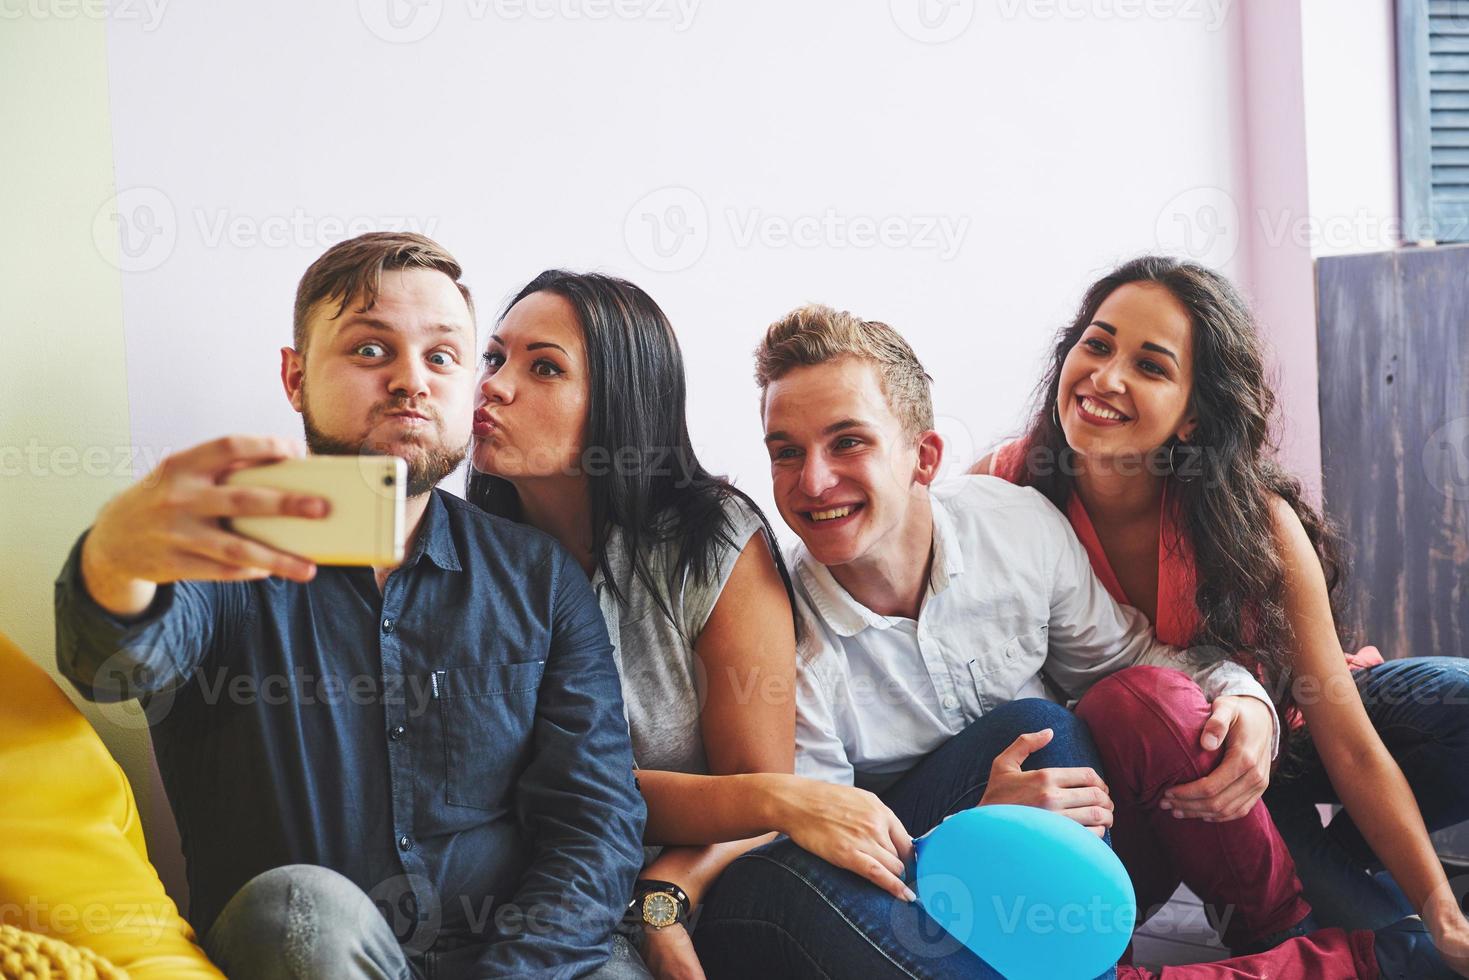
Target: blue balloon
1037,896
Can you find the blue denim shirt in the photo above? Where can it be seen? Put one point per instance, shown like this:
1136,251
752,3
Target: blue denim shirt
455,744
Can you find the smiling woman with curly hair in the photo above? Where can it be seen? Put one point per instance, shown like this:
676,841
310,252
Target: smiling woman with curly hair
1151,433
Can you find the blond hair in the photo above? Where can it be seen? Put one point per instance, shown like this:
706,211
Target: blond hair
816,334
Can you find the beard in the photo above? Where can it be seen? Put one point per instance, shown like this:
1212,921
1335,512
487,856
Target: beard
428,462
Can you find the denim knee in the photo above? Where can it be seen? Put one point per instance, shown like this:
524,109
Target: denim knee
301,920
1034,714
1071,742
1430,693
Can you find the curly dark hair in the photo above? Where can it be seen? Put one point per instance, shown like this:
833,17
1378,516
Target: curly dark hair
1226,474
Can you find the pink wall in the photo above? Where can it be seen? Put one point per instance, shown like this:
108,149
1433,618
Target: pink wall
1317,142
1276,270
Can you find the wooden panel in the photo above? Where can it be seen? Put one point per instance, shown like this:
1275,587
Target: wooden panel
1360,354
1393,347
1393,334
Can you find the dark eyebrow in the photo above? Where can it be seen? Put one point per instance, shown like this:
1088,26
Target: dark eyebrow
1148,345
1161,350
539,345
839,426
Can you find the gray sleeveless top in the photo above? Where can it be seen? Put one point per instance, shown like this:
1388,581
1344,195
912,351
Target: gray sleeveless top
661,677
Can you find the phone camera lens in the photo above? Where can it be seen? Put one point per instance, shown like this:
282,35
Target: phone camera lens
387,481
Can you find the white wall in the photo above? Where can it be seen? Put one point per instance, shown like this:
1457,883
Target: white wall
1051,141
1350,66
726,155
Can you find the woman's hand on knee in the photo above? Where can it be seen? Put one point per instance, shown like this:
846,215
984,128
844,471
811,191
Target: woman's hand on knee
1245,728
1076,793
850,828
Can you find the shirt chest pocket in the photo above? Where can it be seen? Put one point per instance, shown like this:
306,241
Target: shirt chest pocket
999,677
488,712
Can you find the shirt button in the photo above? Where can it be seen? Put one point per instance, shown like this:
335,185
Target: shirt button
396,732
951,702
388,625
405,843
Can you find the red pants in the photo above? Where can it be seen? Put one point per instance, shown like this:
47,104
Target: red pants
1328,954
1147,722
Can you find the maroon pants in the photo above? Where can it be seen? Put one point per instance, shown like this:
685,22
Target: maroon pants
1328,954
1147,722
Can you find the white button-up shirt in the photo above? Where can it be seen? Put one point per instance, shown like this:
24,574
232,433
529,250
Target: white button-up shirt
1013,610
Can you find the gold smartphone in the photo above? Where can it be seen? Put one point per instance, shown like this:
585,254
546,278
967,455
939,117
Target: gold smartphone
367,495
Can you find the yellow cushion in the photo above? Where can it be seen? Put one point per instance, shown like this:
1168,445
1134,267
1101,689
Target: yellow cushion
73,865
27,956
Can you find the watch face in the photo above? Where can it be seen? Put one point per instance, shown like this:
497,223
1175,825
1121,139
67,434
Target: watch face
660,909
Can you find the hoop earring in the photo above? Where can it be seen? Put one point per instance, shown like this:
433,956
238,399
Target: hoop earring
1173,462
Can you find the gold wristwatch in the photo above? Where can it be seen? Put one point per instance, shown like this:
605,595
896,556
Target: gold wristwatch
657,904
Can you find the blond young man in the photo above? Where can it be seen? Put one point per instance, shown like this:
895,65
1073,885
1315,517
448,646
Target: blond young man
942,630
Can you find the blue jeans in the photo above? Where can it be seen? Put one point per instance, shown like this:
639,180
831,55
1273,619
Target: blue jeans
782,912
302,921
1420,708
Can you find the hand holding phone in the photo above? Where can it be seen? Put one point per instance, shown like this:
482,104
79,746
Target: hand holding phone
167,526
367,498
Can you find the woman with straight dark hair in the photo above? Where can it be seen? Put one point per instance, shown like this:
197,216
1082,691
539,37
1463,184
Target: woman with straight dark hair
1151,433
580,431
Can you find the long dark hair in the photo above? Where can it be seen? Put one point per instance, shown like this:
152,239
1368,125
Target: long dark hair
636,401
1225,476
